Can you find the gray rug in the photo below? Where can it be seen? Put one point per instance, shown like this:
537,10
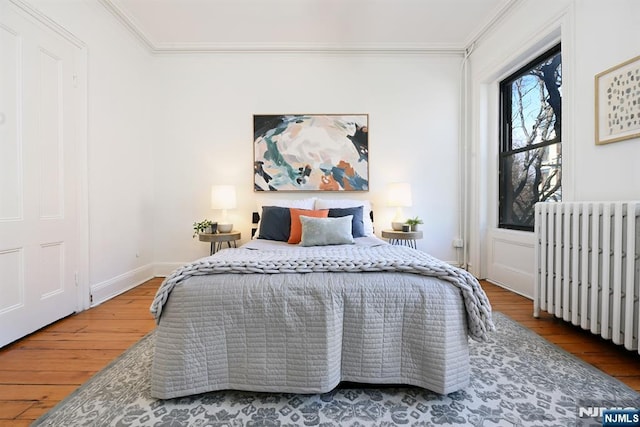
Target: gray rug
517,379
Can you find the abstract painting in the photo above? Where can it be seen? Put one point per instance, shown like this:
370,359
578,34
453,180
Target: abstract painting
311,152
618,102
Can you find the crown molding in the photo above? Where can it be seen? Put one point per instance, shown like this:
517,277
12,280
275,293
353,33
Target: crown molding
48,22
336,48
130,24
156,47
350,48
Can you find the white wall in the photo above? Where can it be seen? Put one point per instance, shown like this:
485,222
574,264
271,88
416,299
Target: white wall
607,33
595,35
204,106
120,172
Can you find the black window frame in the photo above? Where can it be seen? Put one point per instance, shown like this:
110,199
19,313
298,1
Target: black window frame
505,134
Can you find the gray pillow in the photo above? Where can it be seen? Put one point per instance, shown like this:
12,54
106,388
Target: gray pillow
326,231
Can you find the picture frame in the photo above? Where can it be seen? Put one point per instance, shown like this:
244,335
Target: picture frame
311,152
617,103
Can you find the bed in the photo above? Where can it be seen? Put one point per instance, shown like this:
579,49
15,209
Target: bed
272,316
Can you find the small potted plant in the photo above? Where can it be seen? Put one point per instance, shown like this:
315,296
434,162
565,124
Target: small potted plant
202,227
414,222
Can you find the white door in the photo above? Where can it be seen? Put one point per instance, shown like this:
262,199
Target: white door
38,176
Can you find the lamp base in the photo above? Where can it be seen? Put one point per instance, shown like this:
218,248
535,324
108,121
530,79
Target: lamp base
225,228
399,220
397,226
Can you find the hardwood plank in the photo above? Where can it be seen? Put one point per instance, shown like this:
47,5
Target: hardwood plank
85,325
20,422
36,410
617,369
44,377
585,348
88,343
10,409
58,360
36,392
633,382
95,336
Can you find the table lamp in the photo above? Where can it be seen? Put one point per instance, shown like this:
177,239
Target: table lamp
223,197
399,196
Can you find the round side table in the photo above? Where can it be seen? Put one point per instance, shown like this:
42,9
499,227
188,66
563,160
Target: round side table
404,238
218,239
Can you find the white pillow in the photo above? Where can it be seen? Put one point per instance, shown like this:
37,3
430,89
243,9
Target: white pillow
326,231
350,203
287,203
283,203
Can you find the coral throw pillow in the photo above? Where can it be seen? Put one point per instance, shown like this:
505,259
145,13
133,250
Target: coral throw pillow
296,227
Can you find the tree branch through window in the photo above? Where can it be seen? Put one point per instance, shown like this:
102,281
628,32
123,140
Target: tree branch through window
530,139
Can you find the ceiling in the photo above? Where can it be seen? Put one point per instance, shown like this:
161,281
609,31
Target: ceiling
322,25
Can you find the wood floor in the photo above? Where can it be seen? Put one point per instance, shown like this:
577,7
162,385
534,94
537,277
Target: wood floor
41,369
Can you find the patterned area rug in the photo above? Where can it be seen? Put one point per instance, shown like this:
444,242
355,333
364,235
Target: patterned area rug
517,379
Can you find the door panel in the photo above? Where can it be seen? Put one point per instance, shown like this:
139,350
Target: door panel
12,283
11,146
38,187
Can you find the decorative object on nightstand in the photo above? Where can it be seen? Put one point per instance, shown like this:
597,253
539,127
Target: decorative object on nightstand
223,197
399,196
204,226
218,239
414,223
404,238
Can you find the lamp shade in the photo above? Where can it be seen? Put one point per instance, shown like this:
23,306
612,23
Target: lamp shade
399,195
223,197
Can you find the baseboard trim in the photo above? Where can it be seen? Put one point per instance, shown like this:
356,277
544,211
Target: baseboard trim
163,269
503,286
108,289
454,263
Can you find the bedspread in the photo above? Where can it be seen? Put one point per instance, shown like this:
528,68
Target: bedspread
305,333
338,259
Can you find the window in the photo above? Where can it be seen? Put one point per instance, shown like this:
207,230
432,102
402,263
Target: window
530,140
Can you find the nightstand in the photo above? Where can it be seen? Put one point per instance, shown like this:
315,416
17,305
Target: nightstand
219,238
405,238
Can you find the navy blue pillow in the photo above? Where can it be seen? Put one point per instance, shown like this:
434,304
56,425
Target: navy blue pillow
275,223
357,223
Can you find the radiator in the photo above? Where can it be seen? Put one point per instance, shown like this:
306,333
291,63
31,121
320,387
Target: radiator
587,266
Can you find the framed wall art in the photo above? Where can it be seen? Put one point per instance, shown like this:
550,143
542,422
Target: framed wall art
618,102
311,152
